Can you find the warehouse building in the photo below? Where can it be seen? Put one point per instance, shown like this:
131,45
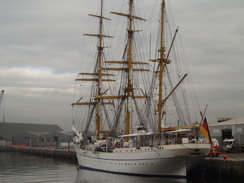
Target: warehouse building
9,130
233,128
44,139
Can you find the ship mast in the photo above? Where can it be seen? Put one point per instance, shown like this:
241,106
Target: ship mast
98,73
129,87
129,64
162,62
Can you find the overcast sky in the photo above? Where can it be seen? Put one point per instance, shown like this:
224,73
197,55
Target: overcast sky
40,55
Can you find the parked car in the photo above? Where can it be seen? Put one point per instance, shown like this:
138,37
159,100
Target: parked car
231,145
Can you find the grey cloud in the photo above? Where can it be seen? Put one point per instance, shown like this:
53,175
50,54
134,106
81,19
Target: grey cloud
47,35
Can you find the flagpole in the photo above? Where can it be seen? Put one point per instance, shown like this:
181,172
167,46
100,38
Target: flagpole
204,119
202,115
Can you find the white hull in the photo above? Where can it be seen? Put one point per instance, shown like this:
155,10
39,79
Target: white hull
165,160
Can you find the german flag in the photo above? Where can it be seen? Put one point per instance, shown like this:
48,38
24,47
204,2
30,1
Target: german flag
205,131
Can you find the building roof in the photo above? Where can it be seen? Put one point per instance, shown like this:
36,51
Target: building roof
58,133
38,134
8,130
239,121
29,134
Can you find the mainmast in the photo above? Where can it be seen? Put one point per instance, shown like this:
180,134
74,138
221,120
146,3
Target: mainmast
129,63
129,87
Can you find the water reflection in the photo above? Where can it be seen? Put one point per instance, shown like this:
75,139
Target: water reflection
85,176
19,168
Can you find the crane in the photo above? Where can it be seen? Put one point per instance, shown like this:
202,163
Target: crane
1,100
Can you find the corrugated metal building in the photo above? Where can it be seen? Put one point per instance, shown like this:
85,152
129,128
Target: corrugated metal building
9,130
229,129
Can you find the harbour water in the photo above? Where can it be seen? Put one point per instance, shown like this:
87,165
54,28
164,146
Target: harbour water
17,167
21,168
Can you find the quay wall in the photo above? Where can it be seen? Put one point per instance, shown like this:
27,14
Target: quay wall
64,154
231,170
225,168
219,170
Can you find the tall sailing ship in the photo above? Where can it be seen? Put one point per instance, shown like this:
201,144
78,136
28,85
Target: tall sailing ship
121,121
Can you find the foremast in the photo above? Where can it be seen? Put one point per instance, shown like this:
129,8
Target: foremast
98,74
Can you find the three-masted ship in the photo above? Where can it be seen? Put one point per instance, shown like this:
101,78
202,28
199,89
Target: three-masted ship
122,128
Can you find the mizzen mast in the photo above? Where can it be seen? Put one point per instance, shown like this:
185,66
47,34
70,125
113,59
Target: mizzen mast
161,68
163,60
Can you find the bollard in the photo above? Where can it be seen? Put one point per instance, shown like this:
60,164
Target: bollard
225,156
